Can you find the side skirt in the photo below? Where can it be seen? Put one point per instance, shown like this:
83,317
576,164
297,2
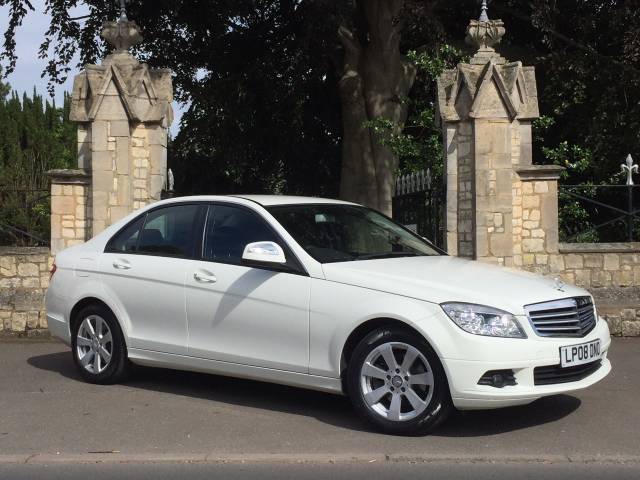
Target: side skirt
173,361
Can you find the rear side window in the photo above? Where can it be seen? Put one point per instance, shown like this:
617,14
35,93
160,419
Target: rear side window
126,241
170,231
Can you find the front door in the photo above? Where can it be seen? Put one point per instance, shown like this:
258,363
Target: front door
143,270
241,314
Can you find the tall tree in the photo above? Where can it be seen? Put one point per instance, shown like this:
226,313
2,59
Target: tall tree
35,136
266,80
374,85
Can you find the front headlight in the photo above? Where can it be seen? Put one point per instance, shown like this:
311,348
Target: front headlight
481,320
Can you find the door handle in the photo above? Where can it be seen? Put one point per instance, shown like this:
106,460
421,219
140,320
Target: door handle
204,277
121,265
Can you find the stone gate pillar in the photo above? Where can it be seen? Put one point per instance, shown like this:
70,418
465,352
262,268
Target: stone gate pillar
123,110
500,207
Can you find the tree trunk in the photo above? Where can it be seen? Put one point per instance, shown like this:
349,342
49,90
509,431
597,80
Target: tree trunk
376,78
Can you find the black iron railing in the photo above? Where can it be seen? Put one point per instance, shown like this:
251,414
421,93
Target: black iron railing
599,213
25,217
419,204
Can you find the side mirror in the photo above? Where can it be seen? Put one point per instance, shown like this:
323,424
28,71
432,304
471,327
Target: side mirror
264,253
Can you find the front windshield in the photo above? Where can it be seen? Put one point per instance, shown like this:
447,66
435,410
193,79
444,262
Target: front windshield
339,233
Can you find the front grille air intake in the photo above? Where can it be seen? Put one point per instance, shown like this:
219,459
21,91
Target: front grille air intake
552,374
569,317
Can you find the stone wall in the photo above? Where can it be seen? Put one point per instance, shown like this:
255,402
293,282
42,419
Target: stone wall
69,208
599,265
535,215
24,278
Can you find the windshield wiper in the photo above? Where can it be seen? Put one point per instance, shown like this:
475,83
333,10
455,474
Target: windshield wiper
372,256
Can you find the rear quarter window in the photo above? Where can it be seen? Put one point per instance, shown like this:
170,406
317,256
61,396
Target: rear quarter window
126,240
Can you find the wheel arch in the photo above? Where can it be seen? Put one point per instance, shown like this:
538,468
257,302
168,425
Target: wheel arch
364,329
86,301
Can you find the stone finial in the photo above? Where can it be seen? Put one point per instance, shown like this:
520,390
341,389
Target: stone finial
630,167
484,35
170,180
483,12
122,34
123,10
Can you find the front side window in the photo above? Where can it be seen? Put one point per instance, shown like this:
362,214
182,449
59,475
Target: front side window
229,229
170,231
338,233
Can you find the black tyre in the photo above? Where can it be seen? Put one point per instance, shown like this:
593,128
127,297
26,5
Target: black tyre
98,346
396,382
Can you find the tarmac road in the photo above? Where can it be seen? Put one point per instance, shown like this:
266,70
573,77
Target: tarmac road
350,471
48,416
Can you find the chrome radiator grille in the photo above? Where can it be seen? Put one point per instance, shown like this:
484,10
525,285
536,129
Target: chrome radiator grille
569,317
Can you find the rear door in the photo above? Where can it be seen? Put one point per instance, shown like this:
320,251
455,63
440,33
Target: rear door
241,314
144,268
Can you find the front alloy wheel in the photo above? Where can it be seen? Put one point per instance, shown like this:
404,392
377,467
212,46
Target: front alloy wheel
396,390
397,382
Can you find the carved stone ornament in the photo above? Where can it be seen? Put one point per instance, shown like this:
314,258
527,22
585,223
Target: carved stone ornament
484,36
122,35
488,86
146,94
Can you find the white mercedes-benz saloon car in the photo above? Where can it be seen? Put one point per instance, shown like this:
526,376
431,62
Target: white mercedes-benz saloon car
320,294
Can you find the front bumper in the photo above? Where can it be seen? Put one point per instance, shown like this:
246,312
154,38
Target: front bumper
463,375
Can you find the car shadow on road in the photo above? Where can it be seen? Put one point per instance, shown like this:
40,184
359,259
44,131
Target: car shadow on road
331,409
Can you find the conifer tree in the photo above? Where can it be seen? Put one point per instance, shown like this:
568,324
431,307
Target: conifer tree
35,136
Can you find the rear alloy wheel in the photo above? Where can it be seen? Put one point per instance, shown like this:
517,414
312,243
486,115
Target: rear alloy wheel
98,346
94,344
396,382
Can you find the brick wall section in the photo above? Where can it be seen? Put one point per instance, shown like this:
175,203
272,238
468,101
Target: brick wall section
24,278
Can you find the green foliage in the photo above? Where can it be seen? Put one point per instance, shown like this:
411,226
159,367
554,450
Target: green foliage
575,158
261,79
35,136
418,142
432,64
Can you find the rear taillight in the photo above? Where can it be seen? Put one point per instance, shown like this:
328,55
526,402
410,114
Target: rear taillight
52,271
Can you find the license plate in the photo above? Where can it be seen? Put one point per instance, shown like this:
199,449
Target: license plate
580,354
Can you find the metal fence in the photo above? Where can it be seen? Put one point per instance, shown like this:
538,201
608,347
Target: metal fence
599,213
419,204
25,217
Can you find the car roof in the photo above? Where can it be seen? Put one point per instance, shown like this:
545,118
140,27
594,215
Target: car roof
269,200
264,200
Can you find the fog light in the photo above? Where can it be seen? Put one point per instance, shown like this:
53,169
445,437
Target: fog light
498,378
